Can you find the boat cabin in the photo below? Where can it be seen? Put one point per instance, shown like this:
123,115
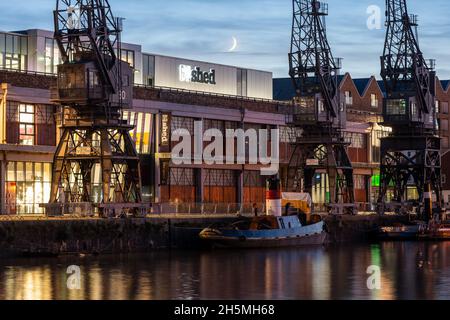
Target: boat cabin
272,222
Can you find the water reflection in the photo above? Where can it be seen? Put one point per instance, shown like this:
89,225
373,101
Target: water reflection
410,270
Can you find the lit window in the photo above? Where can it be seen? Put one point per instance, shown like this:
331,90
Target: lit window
373,101
128,56
348,98
356,140
396,107
13,51
26,124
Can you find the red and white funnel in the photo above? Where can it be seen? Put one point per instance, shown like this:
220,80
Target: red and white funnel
273,198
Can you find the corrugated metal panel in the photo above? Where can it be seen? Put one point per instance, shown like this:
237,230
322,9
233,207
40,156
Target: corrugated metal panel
259,84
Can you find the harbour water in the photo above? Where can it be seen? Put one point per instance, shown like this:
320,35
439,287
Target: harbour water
408,270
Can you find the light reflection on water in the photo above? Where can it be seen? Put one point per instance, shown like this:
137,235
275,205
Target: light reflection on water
410,270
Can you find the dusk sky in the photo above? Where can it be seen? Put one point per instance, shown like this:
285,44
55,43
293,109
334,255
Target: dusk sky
204,30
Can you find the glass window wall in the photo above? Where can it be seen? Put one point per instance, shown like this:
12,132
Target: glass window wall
13,51
142,132
28,186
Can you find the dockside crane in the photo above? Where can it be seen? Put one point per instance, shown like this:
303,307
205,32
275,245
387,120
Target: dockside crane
318,112
410,155
96,162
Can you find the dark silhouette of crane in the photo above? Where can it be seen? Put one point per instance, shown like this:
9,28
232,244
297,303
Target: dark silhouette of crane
410,155
318,115
96,161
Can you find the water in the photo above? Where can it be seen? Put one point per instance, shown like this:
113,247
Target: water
409,270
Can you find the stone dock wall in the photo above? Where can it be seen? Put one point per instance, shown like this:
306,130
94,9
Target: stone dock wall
142,235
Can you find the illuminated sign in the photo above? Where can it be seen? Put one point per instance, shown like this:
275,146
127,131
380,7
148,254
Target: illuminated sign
312,162
165,132
196,75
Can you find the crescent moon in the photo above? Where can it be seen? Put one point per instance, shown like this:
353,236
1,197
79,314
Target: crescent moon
234,46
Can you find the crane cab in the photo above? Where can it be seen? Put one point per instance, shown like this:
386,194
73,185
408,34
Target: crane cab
81,84
406,112
311,110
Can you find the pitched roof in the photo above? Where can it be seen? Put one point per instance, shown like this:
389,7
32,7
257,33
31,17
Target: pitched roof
361,84
382,87
283,88
445,84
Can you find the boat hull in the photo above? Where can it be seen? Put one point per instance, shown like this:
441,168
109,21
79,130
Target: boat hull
399,233
294,237
312,240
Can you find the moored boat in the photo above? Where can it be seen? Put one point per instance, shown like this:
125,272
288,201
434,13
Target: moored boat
266,232
434,231
400,232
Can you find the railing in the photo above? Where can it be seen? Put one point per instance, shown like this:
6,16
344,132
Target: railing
170,90
83,209
211,94
207,208
361,207
33,73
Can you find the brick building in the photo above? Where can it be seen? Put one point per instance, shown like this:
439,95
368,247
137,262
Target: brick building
364,98
165,98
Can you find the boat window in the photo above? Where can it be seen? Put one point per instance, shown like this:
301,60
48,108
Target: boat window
282,224
241,225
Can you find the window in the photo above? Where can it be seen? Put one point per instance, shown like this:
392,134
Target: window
373,101
348,98
289,134
183,123
52,56
149,70
142,132
182,177
444,106
128,56
396,107
27,186
360,182
26,125
13,51
220,178
377,135
437,106
356,140
254,179
321,106
444,125
214,124
413,109
93,79
445,143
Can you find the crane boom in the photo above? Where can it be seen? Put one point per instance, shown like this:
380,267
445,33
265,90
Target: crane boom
312,66
406,74
96,161
318,110
411,154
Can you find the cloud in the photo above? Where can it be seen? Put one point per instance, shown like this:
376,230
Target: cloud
202,29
